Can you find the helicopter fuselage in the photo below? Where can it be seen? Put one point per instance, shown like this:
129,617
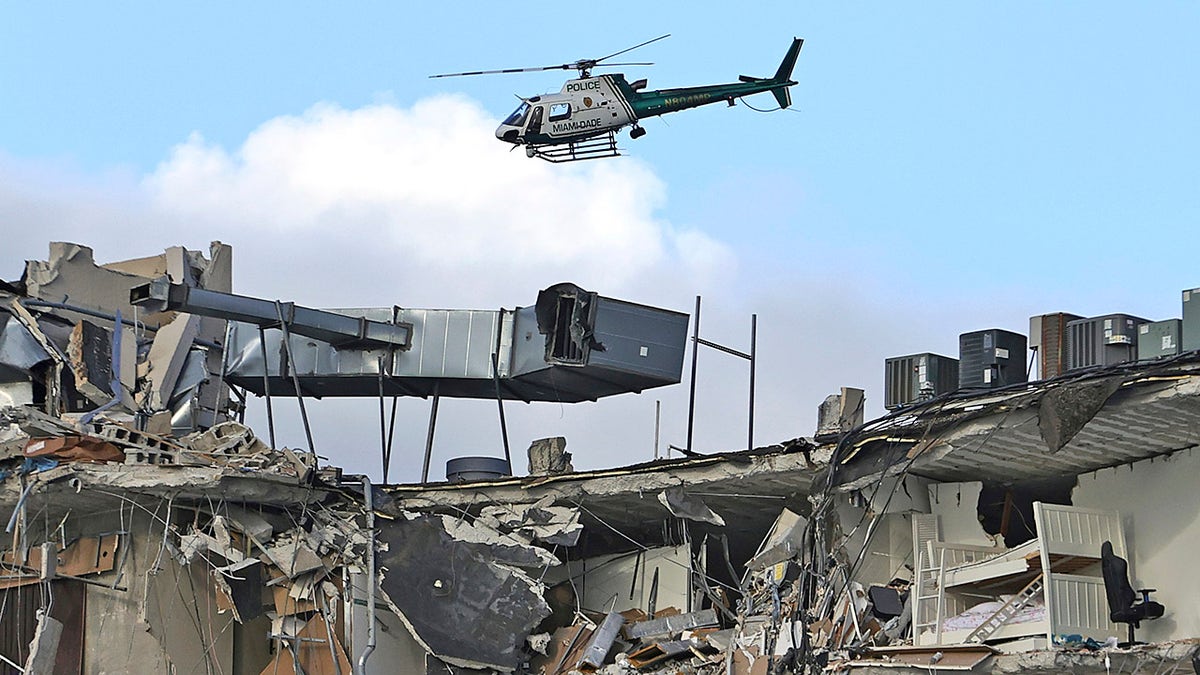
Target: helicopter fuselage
585,107
591,107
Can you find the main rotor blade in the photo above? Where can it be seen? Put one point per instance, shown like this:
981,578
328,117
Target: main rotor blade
505,70
614,65
660,37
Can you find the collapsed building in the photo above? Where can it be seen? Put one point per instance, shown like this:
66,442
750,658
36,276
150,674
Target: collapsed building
150,530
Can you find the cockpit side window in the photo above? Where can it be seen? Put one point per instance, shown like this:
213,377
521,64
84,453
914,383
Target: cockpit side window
517,118
559,111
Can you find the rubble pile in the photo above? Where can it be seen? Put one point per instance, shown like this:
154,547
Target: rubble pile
148,529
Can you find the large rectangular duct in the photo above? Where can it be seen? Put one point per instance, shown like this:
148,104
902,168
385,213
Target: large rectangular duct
571,346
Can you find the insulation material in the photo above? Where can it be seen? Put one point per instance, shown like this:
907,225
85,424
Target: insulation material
72,448
691,507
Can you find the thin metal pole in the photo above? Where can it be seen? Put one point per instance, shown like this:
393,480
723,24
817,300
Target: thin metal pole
262,345
753,346
383,439
361,668
657,425
433,408
291,365
500,403
692,392
391,435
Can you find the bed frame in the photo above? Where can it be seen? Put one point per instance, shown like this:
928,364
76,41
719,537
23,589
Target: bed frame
1064,557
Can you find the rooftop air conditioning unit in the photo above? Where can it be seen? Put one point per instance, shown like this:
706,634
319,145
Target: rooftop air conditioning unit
1158,339
991,358
1048,337
909,379
1191,321
1102,340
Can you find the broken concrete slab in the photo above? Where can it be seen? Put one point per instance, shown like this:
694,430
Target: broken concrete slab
292,555
502,547
90,354
783,542
541,521
167,357
444,588
838,414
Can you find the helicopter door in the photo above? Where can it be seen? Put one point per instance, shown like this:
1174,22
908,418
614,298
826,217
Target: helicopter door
535,121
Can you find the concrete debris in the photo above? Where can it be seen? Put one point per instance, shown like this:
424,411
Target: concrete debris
839,413
137,504
541,521
44,648
444,587
549,457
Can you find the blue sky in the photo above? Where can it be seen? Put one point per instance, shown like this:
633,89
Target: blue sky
947,166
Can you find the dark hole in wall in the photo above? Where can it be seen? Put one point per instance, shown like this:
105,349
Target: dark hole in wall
1007,508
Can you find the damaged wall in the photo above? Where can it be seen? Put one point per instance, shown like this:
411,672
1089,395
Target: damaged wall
395,649
890,546
604,582
1161,517
957,507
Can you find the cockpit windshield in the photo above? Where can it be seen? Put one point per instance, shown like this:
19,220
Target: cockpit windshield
517,119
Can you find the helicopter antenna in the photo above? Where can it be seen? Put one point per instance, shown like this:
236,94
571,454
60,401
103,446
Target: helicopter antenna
584,66
603,58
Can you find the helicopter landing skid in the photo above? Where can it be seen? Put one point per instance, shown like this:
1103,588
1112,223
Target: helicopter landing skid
592,148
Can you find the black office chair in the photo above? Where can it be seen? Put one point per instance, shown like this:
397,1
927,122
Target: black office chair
1122,600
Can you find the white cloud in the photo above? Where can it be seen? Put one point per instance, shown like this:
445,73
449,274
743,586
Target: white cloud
431,188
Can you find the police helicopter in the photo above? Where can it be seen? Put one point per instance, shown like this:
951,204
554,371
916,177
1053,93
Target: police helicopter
582,120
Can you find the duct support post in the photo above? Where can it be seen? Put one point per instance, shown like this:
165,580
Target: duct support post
753,347
657,425
385,445
433,410
361,666
262,344
500,403
291,366
692,390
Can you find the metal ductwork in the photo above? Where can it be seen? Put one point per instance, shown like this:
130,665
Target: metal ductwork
572,345
339,330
